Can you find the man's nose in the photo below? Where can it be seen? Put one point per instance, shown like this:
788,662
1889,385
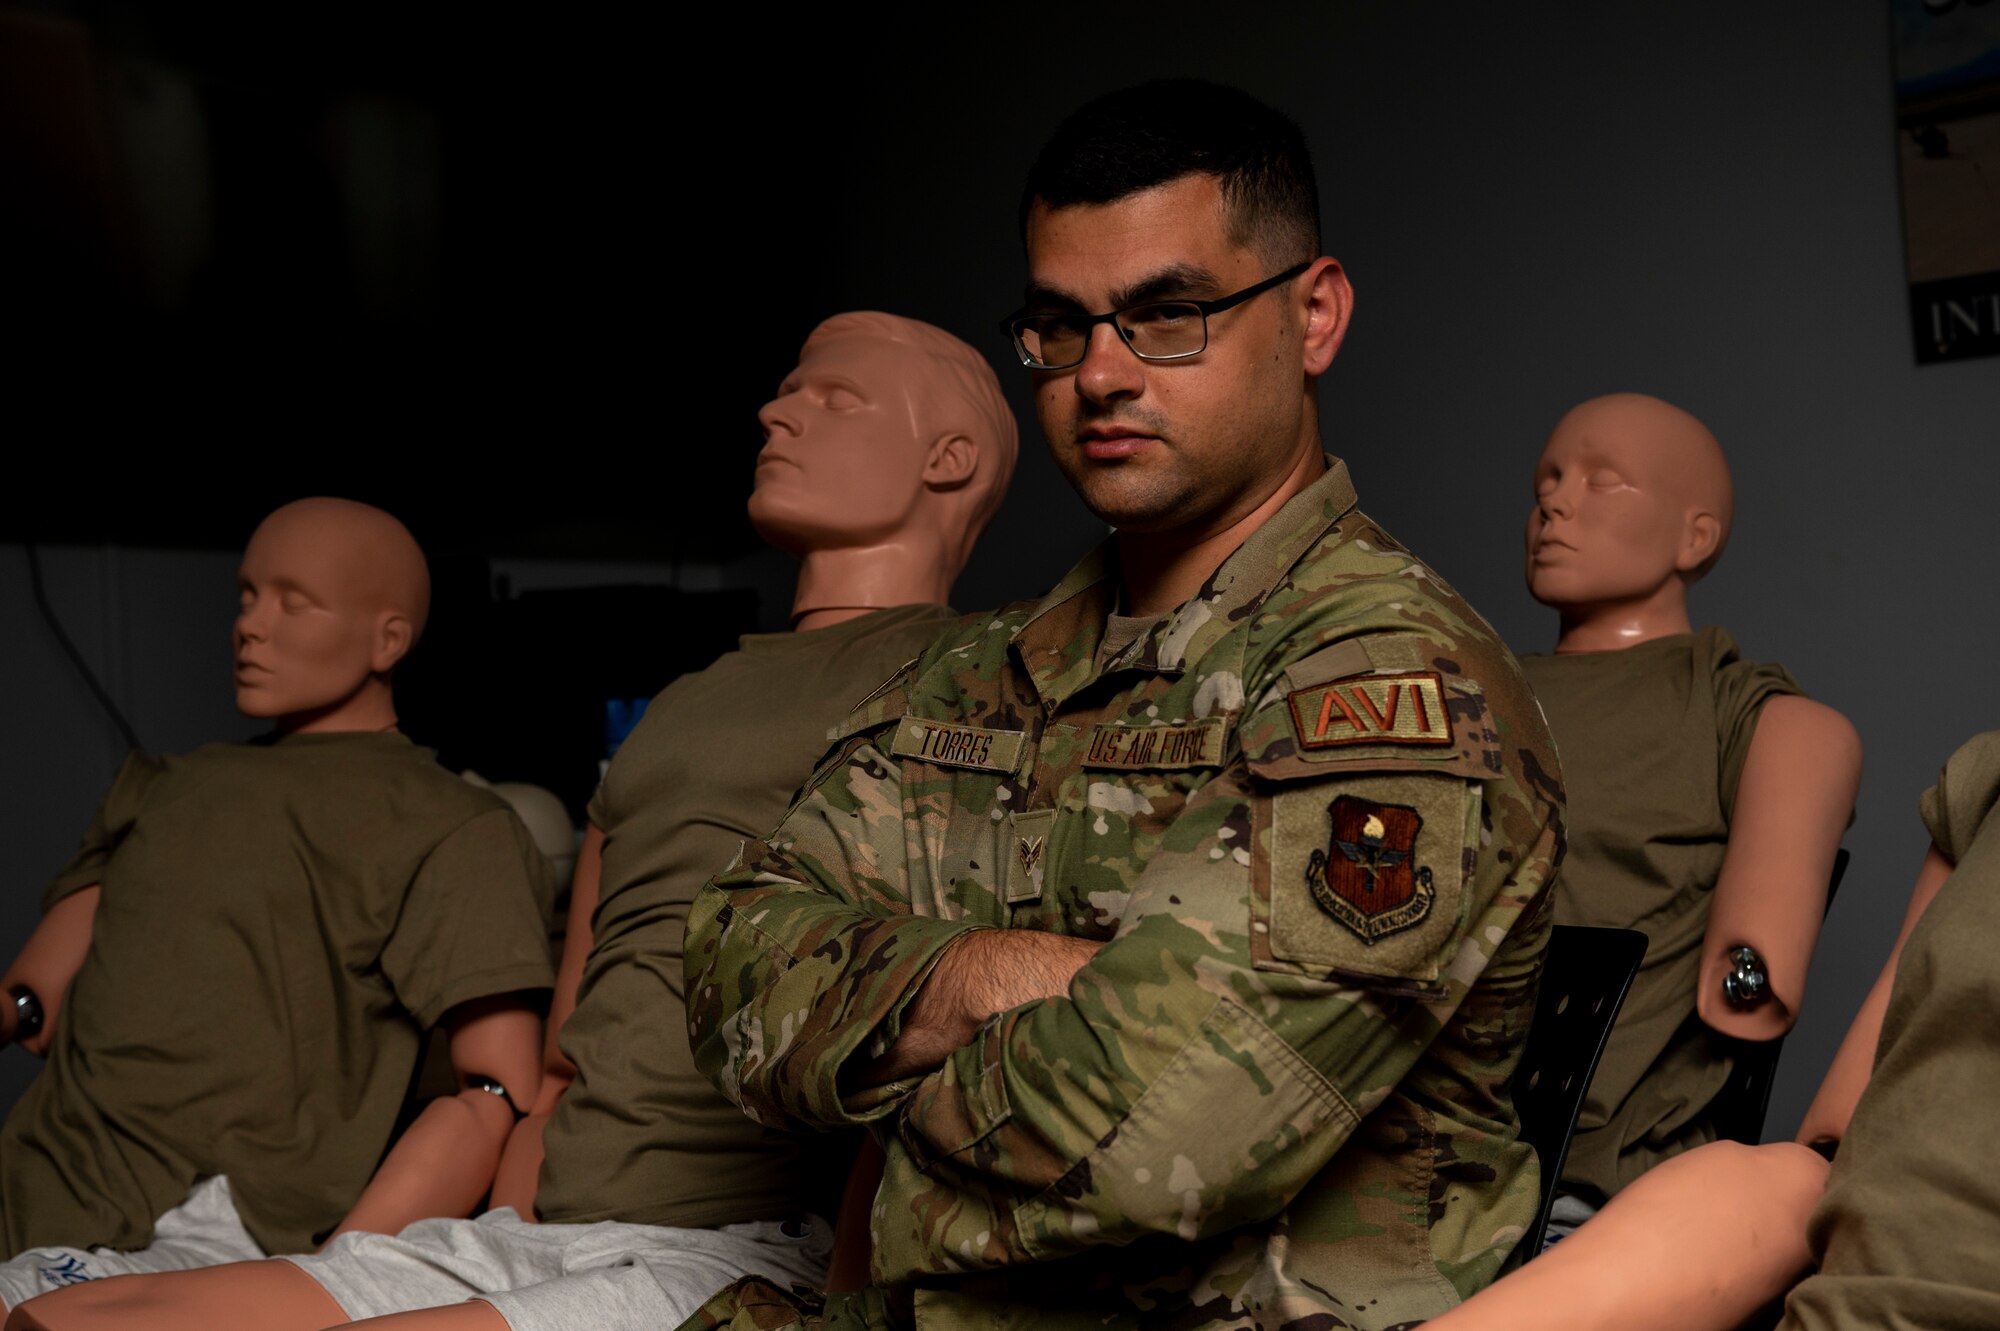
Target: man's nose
1555,502
1109,369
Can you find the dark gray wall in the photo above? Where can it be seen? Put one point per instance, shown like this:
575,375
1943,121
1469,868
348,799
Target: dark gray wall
1536,204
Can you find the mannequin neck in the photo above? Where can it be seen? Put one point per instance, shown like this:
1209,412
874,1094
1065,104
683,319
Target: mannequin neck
1612,625
372,707
843,583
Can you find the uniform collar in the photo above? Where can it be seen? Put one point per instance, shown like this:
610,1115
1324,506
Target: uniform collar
1057,645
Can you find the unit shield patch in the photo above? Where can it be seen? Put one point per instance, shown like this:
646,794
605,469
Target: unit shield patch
1367,877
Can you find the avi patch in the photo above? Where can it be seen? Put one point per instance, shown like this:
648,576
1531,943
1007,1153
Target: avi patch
1367,878
1372,709
957,746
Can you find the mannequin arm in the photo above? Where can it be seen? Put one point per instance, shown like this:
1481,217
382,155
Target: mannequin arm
48,962
1847,1077
1697,1244
520,1172
445,1161
1792,804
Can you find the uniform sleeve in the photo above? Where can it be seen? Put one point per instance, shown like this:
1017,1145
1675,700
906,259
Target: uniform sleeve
1741,690
1313,926
115,817
1967,789
475,921
801,960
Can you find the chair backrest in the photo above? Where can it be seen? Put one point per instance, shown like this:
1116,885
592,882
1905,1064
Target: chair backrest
1738,1110
1584,978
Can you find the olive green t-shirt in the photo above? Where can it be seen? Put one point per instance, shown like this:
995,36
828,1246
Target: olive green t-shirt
278,925
640,1135
1908,1233
1652,740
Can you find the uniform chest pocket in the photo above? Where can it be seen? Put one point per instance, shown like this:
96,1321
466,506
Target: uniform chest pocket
958,784
1109,826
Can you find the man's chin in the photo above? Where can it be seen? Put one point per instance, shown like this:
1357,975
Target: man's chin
1116,501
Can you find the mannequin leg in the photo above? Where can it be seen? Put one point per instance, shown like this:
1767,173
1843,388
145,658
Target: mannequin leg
242,1296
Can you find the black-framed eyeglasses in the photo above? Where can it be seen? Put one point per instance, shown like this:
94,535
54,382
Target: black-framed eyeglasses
1156,330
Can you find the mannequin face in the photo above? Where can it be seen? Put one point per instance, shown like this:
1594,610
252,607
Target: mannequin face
843,456
1610,523
309,633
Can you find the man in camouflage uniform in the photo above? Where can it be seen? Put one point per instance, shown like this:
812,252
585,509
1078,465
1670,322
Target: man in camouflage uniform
1178,933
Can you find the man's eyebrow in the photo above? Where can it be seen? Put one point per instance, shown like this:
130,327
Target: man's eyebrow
1179,281
1036,296
1176,281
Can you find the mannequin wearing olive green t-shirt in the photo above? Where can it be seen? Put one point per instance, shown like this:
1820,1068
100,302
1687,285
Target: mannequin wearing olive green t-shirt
282,1059
1653,740
887,451
236,967
1707,798
640,1134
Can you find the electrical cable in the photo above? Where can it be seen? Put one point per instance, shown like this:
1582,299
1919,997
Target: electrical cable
76,657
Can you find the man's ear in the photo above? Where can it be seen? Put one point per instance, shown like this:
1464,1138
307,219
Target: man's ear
1329,305
393,637
952,461
1701,537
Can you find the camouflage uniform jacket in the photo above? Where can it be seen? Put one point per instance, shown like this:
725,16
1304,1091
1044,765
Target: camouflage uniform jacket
1315,813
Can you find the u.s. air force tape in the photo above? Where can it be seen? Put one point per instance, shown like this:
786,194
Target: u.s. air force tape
957,746
1193,744
1372,709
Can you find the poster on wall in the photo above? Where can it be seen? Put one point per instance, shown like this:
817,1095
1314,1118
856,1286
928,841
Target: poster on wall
1948,150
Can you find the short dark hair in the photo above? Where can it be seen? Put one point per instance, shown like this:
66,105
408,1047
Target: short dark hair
1131,140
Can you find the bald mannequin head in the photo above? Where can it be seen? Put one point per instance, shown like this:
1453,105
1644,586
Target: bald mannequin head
333,594
1633,502
887,451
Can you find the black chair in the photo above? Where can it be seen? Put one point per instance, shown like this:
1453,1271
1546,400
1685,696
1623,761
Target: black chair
1584,979
1738,1110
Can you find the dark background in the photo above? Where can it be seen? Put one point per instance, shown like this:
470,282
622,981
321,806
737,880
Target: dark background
526,278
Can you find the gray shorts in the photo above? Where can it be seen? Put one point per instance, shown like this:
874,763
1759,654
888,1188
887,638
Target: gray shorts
550,1277
204,1230
1566,1216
